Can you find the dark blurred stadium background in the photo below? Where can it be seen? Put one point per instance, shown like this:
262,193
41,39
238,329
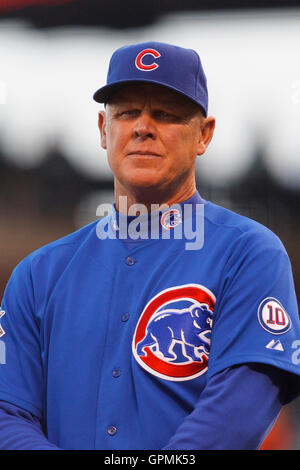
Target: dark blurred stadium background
53,56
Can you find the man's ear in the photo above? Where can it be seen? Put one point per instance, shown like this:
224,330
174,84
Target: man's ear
102,128
207,132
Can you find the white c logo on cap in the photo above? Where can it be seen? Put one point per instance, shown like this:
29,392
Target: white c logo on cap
139,60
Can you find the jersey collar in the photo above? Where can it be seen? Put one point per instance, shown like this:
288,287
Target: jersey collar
132,230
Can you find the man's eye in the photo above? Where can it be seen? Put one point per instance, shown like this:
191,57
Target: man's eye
129,112
164,115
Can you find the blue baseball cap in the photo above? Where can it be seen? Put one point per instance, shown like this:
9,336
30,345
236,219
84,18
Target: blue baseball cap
174,67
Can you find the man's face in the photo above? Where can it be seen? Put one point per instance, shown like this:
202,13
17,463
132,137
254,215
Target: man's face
152,136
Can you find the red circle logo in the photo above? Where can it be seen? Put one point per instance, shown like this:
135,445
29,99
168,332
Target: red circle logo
172,337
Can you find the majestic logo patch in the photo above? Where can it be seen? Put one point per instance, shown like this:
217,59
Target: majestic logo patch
172,337
170,219
146,67
273,317
275,345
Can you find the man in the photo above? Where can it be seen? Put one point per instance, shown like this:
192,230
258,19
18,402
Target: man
170,324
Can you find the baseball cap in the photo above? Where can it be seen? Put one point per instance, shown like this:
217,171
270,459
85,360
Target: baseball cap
174,67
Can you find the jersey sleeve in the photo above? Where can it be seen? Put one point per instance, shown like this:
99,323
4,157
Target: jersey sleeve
223,417
20,430
256,312
20,369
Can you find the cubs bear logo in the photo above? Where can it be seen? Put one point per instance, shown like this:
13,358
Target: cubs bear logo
172,337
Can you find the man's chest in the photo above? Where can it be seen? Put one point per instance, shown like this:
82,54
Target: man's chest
151,306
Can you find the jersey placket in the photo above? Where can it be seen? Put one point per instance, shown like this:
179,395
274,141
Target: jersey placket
114,429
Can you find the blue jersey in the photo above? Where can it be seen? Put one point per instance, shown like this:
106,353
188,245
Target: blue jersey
110,342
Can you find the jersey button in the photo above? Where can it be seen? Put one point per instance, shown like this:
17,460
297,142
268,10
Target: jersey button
125,317
112,430
116,373
130,261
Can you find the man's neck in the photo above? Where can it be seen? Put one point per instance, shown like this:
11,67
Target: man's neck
150,197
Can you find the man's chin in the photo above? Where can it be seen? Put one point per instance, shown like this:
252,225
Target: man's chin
142,179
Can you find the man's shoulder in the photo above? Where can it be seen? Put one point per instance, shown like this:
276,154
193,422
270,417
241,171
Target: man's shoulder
63,246
240,227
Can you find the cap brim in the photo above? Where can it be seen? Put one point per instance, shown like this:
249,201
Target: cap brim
104,93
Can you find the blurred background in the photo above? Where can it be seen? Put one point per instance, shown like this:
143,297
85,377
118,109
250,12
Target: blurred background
53,173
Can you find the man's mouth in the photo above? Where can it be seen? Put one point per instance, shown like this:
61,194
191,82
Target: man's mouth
143,153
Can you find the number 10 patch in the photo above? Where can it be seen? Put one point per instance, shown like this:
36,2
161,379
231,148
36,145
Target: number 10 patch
273,317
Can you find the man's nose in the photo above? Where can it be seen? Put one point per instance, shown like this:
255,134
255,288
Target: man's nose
144,127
